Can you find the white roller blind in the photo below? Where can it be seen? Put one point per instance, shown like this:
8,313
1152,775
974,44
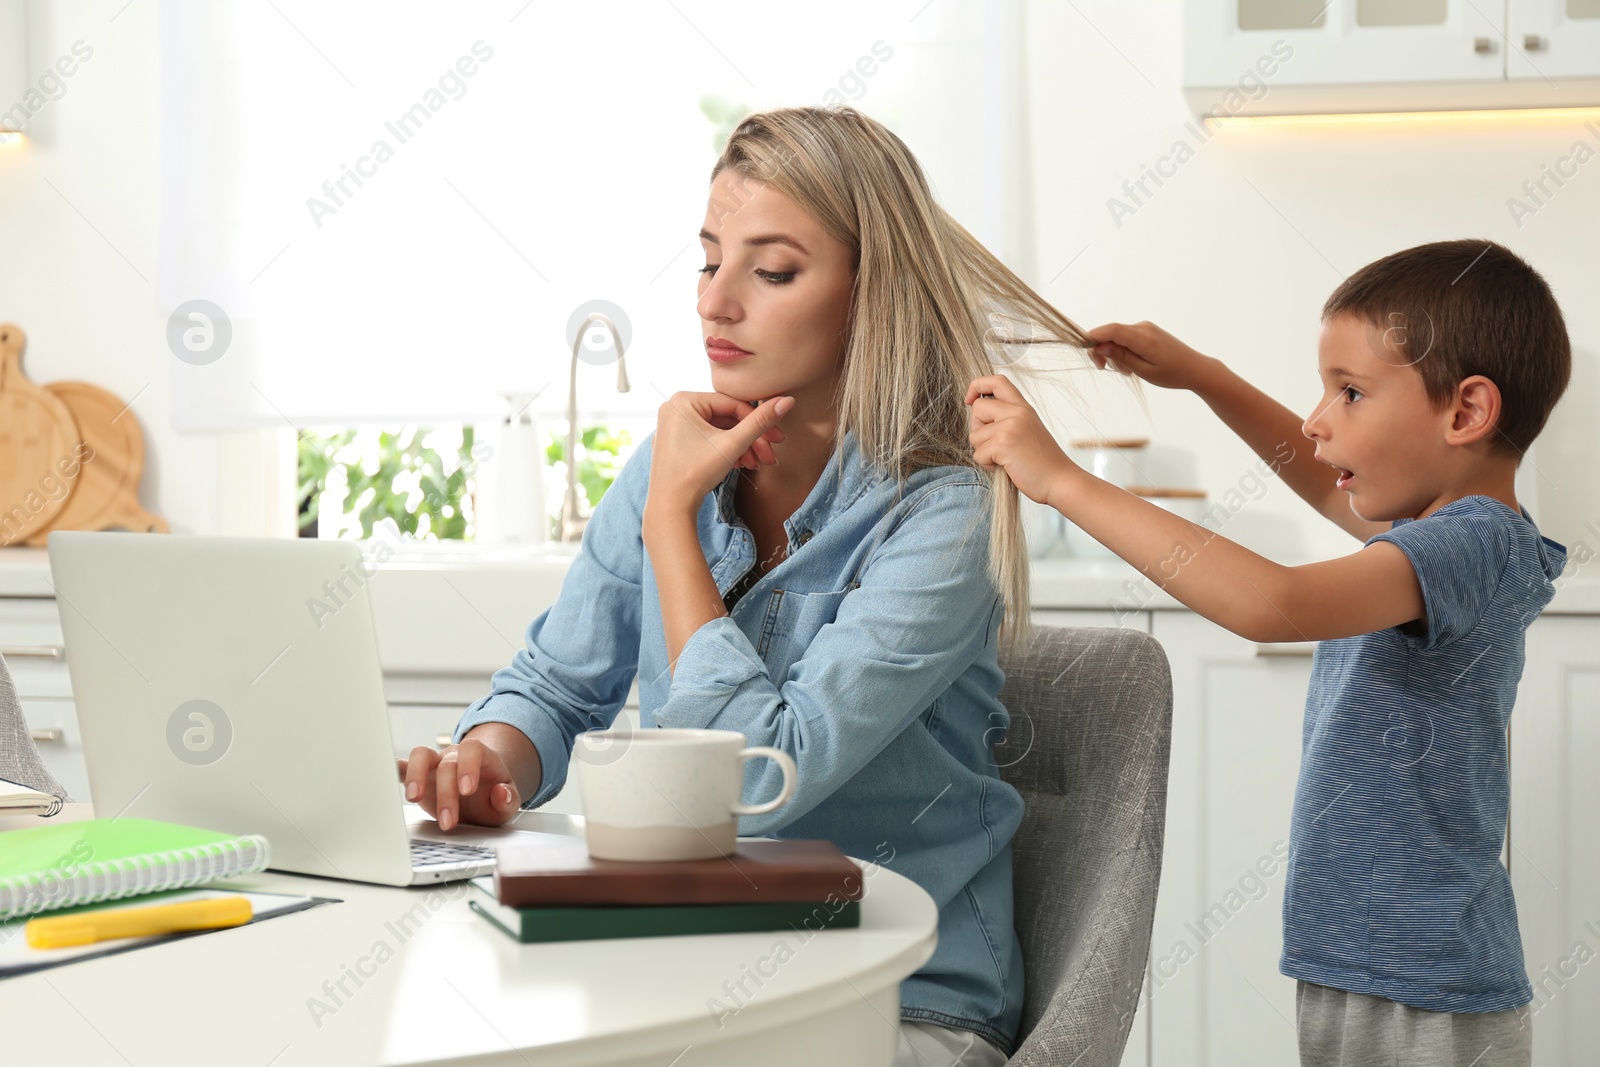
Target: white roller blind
398,207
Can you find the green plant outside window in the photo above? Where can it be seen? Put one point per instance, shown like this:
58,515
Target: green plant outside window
425,478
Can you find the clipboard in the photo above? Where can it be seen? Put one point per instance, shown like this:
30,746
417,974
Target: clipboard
17,957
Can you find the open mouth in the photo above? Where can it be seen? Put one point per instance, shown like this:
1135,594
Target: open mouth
1345,476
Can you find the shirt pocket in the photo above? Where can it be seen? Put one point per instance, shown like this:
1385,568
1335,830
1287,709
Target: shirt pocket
793,621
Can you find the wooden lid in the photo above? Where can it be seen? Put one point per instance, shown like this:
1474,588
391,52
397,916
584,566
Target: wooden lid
1110,442
1158,490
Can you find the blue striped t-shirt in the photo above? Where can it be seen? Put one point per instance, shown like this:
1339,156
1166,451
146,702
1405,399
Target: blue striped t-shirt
1395,886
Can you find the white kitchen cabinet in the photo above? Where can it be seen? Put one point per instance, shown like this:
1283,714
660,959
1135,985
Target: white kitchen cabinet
1215,995
1134,620
35,652
423,708
1552,39
54,726
1317,43
1249,57
1555,834
35,655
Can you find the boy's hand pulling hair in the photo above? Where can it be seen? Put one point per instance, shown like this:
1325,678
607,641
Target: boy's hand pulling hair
1006,432
1145,349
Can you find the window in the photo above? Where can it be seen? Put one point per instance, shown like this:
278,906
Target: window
397,216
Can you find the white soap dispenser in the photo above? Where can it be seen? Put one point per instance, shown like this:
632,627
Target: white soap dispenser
519,506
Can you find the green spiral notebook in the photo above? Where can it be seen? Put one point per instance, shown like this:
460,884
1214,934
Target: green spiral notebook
73,863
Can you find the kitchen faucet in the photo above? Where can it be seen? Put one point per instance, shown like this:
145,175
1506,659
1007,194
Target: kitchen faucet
572,523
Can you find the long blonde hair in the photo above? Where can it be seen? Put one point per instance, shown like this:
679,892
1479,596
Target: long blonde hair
933,309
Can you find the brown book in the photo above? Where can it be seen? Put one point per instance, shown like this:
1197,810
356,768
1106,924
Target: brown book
558,870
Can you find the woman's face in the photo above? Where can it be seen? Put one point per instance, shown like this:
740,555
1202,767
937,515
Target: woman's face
776,290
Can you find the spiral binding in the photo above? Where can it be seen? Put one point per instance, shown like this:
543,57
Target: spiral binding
132,876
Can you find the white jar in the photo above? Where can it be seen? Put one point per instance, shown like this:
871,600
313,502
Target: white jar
1118,460
1188,503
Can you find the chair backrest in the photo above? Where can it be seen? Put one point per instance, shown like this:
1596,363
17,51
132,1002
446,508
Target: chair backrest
19,756
1088,749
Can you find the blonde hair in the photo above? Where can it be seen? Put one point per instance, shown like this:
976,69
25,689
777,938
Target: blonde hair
932,308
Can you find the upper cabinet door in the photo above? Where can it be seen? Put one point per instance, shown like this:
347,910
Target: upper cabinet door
1553,39
1315,42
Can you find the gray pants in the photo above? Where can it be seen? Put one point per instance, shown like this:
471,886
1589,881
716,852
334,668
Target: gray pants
925,1044
1340,1029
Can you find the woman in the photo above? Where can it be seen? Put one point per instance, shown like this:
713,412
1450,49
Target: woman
807,555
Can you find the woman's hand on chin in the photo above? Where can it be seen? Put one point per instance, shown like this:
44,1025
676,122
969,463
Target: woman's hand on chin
700,437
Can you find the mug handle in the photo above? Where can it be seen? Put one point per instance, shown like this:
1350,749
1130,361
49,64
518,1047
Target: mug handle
790,773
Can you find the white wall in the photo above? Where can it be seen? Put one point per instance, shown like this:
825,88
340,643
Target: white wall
1241,272
1208,256
91,163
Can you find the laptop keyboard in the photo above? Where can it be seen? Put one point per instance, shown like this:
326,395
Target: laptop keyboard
438,853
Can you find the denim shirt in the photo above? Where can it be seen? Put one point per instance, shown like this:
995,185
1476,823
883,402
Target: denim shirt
868,655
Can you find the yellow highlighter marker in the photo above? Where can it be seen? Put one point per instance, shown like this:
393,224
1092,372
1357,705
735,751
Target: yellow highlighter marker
63,931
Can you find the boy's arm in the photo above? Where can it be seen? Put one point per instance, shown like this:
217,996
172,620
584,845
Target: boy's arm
1259,600
1271,430
1253,597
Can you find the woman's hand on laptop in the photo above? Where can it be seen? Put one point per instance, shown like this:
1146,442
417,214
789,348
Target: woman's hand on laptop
472,781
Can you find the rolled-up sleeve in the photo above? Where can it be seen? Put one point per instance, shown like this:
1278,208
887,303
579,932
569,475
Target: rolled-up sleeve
923,611
581,654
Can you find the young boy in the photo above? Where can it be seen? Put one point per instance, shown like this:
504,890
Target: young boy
1439,366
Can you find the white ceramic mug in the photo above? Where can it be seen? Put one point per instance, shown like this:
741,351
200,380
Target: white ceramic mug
667,794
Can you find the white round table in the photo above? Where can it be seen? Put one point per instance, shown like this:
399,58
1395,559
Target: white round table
412,976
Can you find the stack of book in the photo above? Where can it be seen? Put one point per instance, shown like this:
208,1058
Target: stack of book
550,889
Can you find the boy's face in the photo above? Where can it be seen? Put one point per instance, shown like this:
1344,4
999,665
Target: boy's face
1375,423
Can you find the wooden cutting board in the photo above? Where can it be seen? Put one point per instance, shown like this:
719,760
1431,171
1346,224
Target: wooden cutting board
38,440
112,447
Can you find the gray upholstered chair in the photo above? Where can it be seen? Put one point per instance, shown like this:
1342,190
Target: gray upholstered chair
1088,747
19,756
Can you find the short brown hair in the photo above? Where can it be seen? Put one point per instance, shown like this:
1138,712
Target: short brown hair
1460,308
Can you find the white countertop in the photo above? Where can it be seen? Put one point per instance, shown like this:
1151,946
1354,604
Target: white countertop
479,601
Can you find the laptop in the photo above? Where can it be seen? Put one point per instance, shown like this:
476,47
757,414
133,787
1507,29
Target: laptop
234,684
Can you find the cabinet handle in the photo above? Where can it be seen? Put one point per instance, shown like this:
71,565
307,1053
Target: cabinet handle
442,742
46,734
1532,42
1286,650
1482,45
33,651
